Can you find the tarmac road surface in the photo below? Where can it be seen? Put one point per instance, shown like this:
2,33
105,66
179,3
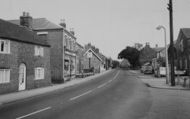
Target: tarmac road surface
118,94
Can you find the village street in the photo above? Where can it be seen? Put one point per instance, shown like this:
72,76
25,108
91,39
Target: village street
118,94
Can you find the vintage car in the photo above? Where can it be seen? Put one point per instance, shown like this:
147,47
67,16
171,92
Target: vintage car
147,68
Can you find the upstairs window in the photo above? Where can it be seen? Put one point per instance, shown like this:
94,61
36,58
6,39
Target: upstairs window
39,73
4,46
39,51
4,76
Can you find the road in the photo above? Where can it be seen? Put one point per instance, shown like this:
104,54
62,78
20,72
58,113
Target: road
118,94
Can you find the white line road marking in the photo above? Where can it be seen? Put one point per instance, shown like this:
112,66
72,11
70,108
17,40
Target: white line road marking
102,85
34,113
116,75
81,95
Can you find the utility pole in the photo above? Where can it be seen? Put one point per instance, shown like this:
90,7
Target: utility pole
170,8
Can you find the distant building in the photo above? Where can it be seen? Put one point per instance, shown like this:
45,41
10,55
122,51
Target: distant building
160,51
138,46
24,59
146,54
94,59
79,58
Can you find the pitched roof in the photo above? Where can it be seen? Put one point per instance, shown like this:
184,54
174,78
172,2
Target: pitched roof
186,32
39,24
90,49
19,33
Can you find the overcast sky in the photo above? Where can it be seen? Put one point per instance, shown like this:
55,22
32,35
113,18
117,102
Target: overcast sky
110,25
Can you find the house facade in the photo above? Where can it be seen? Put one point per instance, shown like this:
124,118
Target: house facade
54,35
182,46
70,67
24,59
93,59
79,58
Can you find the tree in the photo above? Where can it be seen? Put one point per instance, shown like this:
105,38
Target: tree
131,54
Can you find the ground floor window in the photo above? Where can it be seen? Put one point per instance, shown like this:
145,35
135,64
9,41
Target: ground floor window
66,65
39,73
4,76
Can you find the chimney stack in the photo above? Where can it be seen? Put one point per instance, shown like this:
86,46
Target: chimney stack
72,31
62,23
147,44
26,20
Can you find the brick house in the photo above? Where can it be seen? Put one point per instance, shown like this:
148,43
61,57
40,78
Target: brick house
24,59
182,47
79,58
93,59
146,54
69,52
54,35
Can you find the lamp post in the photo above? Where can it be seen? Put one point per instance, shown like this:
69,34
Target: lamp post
166,52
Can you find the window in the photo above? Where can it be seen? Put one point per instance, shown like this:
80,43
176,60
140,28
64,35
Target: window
4,46
39,51
180,62
42,33
39,73
4,76
185,63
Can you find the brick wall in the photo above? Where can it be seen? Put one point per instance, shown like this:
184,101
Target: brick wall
94,62
55,39
24,53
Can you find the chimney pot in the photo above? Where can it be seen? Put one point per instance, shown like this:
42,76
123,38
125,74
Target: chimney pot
24,13
27,14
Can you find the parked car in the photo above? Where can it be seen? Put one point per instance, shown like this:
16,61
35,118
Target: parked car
147,68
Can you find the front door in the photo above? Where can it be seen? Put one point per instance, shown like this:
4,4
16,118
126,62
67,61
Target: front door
22,77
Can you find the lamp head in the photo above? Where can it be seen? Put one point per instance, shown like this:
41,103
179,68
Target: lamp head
159,27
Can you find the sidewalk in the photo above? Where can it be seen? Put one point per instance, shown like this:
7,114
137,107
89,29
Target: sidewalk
154,82
15,96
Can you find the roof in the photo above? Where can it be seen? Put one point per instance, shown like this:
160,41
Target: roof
186,32
90,49
39,24
80,45
158,49
19,33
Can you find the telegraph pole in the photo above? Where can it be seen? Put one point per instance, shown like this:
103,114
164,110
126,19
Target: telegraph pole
170,8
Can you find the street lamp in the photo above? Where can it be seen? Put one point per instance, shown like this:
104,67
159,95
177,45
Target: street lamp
166,52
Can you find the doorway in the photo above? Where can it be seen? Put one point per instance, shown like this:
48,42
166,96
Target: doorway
22,77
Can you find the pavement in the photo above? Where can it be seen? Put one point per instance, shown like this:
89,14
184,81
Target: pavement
168,102
154,82
15,96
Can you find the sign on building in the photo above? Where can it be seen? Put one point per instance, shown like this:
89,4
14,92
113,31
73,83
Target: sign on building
89,54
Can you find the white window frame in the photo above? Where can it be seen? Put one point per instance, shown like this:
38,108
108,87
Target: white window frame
39,73
6,46
38,51
4,76
42,33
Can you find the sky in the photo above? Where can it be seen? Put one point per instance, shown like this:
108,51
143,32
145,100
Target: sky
110,25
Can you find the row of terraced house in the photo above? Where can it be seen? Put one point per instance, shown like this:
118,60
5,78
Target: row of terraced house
35,52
